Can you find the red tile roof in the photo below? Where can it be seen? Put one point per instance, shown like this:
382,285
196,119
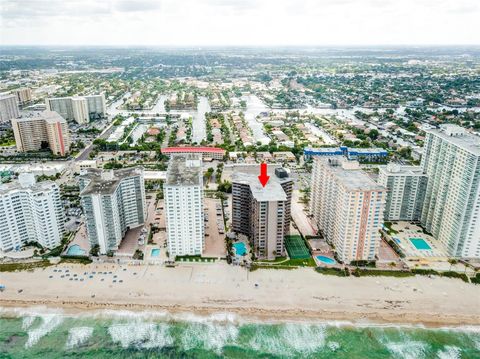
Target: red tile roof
193,150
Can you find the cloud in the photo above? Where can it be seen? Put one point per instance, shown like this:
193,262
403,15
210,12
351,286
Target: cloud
137,5
239,22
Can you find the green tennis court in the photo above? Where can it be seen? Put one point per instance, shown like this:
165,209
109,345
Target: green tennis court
296,247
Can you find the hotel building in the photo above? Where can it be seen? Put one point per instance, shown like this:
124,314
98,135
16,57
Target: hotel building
348,207
39,129
30,212
406,191
183,193
113,202
451,211
262,213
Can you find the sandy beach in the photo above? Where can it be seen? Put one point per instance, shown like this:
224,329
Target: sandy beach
300,294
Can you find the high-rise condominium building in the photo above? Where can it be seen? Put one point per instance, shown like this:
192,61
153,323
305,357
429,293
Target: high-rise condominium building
42,129
24,95
262,213
113,202
8,107
348,207
30,212
79,109
96,106
451,160
183,193
406,191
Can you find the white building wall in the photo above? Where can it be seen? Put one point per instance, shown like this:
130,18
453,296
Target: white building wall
452,205
31,215
184,220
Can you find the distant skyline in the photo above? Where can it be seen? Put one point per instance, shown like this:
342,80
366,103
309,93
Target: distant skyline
239,22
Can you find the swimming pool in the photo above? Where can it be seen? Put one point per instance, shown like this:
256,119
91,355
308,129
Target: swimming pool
240,249
326,260
420,243
75,250
155,252
397,240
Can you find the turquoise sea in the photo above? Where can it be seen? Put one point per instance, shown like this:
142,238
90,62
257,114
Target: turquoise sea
44,333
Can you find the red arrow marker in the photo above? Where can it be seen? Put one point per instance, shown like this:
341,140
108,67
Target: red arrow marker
263,178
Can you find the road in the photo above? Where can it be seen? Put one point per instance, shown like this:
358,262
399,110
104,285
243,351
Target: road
84,155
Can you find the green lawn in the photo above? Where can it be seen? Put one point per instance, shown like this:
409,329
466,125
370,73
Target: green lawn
283,263
12,267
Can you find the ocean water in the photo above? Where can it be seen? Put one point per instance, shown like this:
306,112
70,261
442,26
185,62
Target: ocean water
45,333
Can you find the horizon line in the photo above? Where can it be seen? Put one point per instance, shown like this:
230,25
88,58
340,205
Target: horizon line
251,45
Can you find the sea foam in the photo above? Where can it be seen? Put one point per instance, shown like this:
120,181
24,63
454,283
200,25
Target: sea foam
78,336
449,352
210,336
291,340
49,323
141,334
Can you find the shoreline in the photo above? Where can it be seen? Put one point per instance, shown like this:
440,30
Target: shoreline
250,315
218,290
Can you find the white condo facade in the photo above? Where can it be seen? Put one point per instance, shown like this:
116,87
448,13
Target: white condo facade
183,193
8,107
406,191
79,109
30,212
113,202
348,207
451,211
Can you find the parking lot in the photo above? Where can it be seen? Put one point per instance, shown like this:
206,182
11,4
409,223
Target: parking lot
214,229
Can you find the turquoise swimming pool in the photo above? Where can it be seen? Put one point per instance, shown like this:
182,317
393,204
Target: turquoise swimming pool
155,252
326,260
420,243
75,250
240,249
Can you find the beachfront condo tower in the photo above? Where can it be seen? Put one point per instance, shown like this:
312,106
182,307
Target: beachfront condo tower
451,212
113,202
30,212
406,191
348,207
183,193
262,213
42,130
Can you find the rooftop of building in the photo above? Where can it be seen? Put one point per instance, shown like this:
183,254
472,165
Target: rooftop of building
185,170
26,181
193,149
5,95
349,174
342,149
106,181
48,116
272,191
402,170
458,136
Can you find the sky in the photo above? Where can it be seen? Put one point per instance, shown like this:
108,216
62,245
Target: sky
239,22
